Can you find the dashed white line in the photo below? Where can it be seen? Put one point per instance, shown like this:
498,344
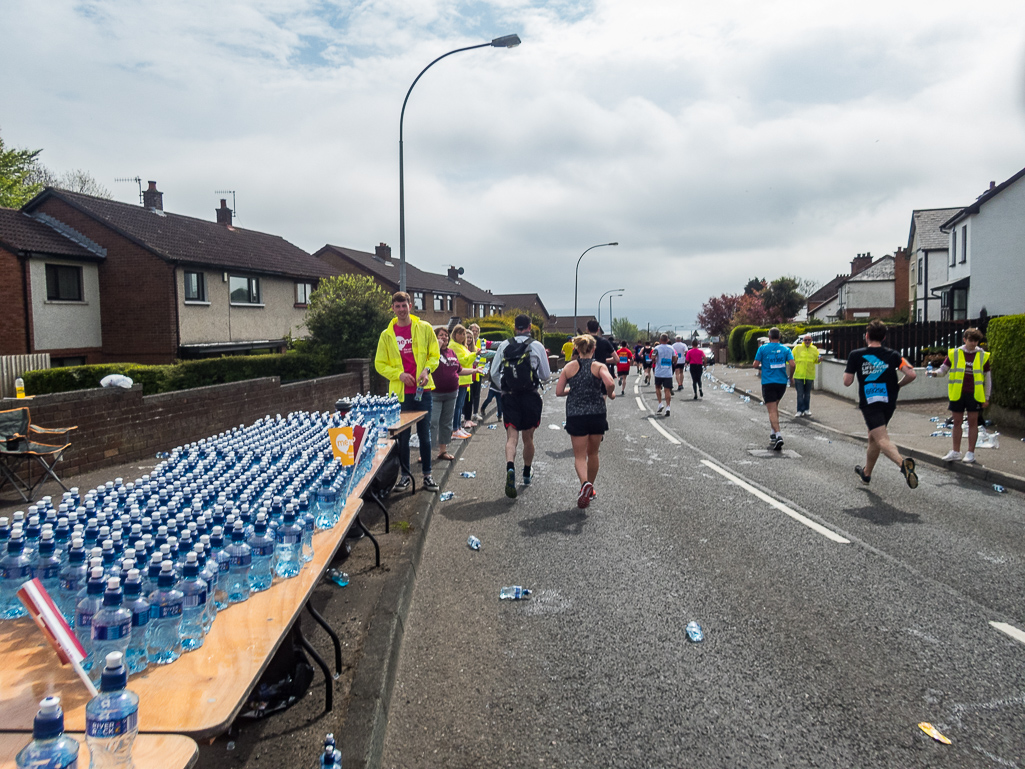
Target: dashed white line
640,404
637,388
827,533
662,430
1011,630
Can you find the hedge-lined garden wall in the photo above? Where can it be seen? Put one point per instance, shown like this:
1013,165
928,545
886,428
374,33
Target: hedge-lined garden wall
1006,336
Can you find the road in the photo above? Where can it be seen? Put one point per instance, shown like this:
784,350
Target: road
836,617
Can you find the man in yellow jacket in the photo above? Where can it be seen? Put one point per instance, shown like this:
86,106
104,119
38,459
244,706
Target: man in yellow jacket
407,353
806,357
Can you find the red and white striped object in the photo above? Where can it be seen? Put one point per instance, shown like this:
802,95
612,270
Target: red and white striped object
48,618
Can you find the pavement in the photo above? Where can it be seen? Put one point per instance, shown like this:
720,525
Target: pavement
910,429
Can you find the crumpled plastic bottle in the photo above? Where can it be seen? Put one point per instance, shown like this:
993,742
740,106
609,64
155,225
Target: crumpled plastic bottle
514,593
473,543
694,632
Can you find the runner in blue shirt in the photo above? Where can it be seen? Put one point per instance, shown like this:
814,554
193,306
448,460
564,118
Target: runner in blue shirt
776,366
663,358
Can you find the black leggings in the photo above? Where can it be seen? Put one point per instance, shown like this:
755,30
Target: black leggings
695,376
472,404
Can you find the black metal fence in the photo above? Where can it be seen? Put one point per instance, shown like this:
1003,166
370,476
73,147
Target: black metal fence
913,340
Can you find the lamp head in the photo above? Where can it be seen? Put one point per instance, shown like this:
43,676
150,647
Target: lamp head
506,41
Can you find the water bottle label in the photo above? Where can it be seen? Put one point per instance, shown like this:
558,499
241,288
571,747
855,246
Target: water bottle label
48,572
263,550
141,618
223,567
163,612
241,560
192,600
289,539
16,573
111,632
83,620
69,584
112,728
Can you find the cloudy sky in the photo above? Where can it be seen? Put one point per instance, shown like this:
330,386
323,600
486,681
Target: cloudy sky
714,141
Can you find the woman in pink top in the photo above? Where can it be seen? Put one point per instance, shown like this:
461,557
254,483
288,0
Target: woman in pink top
695,358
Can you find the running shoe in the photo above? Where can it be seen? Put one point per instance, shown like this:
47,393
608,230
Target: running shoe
527,479
403,483
584,497
701,393
907,469
430,484
477,418
660,407
510,483
776,444
667,412
679,387
695,396
860,472
953,456
969,458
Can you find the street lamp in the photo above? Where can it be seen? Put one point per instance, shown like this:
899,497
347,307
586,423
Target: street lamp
576,280
610,305
611,319
507,41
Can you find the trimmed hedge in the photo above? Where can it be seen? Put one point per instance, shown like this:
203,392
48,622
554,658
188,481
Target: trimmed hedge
735,344
554,341
1007,344
751,342
183,375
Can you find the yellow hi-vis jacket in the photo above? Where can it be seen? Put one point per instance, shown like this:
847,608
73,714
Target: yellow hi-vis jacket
957,369
426,352
466,360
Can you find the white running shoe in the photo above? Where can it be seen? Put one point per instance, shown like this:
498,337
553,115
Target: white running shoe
969,458
660,407
953,456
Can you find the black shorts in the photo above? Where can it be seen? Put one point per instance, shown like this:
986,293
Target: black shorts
679,366
967,403
522,411
664,381
587,424
878,417
647,365
773,393
623,373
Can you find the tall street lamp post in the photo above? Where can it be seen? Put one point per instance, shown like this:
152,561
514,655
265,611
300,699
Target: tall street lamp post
508,41
576,281
611,318
602,297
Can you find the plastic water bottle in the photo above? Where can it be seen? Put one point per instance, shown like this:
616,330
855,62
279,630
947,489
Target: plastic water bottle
15,570
288,548
331,758
50,747
111,627
419,393
928,369
112,718
137,656
261,546
72,579
208,571
194,591
165,618
223,568
473,543
47,568
514,593
86,608
241,561
694,632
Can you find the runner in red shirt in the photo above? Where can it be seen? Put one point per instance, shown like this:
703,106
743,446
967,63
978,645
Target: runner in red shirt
623,356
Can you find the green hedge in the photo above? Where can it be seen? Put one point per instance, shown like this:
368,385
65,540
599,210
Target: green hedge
183,375
554,341
751,342
1007,344
735,344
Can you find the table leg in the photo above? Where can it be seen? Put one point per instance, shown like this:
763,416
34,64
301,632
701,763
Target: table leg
334,637
377,547
380,503
329,683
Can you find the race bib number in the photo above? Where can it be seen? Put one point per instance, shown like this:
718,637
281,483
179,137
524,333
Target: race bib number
624,359
876,393
665,361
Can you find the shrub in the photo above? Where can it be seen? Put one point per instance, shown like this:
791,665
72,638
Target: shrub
751,342
735,344
346,316
1007,344
554,341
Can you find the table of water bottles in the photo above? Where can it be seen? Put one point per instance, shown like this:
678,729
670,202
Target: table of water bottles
236,476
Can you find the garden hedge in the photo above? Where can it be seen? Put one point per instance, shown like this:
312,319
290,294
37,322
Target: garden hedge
1006,337
735,344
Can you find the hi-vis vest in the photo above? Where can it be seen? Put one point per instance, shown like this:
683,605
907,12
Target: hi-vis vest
957,369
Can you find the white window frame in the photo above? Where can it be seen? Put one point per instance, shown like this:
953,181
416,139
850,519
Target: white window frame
418,301
303,289
200,297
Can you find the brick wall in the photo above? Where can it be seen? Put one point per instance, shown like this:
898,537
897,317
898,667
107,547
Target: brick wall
117,426
14,315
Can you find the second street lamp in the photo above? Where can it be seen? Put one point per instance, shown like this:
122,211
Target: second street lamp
602,297
506,41
611,318
576,280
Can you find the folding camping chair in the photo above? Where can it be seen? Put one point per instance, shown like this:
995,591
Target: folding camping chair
19,447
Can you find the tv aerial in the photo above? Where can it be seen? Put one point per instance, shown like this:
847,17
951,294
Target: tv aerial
234,211
135,179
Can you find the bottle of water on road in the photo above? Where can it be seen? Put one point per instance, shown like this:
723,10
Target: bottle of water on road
473,543
50,748
112,626
694,632
514,593
165,619
112,718
15,570
287,550
241,561
331,758
72,580
86,608
261,546
194,591
137,656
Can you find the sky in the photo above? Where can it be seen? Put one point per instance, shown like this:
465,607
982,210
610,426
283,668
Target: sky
714,141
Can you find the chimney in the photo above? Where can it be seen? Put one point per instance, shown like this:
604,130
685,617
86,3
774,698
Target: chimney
860,263
453,273
383,252
992,185
153,198
224,214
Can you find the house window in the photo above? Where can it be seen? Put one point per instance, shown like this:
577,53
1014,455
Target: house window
302,293
78,360
63,283
418,300
438,300
195,286
244,290
919,314
964,247
919,271
959,302
448,303
953,248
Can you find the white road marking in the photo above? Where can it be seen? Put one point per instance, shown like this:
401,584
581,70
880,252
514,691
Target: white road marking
828,534
637,388
1010,630
659,427
640,404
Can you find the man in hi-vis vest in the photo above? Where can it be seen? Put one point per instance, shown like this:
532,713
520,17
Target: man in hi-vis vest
968,388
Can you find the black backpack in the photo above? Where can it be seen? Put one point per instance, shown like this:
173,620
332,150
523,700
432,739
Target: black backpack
518,376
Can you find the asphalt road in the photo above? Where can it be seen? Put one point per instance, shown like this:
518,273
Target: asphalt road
836,617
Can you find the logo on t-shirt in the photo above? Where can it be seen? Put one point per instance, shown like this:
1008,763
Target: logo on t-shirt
872,368
403,343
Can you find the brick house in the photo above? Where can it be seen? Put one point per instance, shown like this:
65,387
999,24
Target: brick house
166,286
437,299
874,289
530,302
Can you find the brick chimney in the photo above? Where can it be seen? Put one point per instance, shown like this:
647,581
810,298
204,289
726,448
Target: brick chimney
901,276
453,273
860,263
224,214
383,252
152,198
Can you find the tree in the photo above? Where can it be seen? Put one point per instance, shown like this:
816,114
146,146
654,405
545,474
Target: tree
346,316
782,299
754,287
72,181
16,187
751,311
624,330
716,316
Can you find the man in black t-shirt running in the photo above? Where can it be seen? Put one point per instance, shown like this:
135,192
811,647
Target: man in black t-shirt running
875,368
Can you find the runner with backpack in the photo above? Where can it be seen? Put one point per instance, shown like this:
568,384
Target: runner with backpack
519,368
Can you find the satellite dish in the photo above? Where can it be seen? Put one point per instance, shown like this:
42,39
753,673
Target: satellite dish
460,270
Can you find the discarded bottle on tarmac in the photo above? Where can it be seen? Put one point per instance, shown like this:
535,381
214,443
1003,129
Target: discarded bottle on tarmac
49,747
694,632
331,758
112,718
514,593
473,543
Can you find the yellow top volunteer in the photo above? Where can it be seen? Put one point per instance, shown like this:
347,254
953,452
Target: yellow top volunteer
426,352
957,371
805,358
